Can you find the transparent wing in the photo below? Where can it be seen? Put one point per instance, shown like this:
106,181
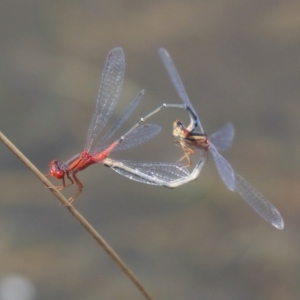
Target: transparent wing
222,139
140,135
225,170
121,121
155,173
258,202
177,82
108,94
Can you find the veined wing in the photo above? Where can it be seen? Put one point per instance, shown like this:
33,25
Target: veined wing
155,173
140,135
222,139
225,170
258,202
120,122
177,82
108,94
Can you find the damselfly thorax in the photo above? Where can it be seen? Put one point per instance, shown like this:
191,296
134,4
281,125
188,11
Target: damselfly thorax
188,140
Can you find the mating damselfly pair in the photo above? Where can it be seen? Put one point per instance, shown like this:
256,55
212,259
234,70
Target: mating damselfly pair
168,174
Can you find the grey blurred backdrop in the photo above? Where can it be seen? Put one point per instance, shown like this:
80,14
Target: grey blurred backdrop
240,62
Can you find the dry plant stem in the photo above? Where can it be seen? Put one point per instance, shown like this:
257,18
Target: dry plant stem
76,214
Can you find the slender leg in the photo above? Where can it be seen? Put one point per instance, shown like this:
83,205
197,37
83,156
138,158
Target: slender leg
58,187
80,187
64,185
71,180
187,152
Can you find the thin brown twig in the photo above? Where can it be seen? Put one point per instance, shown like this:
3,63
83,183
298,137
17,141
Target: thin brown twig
77,215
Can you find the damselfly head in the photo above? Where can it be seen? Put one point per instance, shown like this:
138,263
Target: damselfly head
179,130
56,170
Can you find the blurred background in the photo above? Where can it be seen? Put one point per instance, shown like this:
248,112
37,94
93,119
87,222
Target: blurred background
239,61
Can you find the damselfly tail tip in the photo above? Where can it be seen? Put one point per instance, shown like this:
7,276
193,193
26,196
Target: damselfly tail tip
163,51
279,224
277,221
